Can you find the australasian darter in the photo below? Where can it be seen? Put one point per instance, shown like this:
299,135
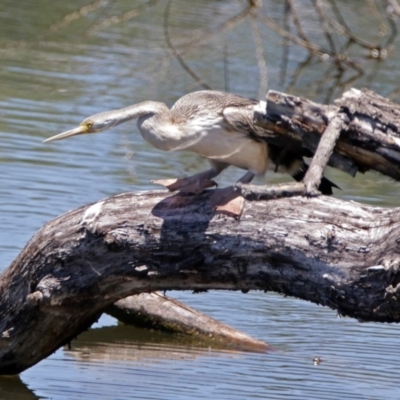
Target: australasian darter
219,126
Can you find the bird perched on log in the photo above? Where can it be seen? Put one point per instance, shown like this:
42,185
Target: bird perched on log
220,127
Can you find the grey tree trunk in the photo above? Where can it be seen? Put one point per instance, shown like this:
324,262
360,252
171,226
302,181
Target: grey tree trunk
335,253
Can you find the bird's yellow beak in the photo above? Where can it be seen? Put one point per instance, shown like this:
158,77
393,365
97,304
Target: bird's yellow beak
81,129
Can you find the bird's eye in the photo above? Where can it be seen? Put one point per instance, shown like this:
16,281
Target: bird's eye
89,124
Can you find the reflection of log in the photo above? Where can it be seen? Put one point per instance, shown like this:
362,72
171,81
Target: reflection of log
328,251
370,140
142,346
12,387
157,311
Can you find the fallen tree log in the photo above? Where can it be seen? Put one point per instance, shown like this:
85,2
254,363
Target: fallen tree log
158,311
331,252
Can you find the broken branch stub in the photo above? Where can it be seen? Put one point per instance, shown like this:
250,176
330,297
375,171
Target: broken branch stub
369,140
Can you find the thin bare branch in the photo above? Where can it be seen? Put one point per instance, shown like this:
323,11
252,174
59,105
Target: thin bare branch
325,26
117,19
286,48
226,68
395,7
340,25
313,48
205,37
298,72
260,55
391,23
80,13
296,20
175,53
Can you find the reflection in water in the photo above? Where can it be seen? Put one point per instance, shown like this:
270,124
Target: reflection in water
13,388
126,343
79,58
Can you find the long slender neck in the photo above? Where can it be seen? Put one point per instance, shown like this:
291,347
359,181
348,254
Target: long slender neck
156,125
149,109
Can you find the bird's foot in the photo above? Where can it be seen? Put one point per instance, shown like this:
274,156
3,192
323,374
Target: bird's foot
227,201
187,185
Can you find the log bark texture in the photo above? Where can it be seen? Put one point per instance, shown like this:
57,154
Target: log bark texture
370,139
331,252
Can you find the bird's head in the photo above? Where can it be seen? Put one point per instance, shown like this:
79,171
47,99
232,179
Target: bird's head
95,123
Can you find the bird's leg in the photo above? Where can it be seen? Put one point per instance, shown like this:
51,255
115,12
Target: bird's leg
228,200
192,184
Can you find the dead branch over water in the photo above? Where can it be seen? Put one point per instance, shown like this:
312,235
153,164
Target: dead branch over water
336,253
331,252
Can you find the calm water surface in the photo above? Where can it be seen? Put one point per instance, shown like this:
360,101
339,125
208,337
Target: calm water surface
60,63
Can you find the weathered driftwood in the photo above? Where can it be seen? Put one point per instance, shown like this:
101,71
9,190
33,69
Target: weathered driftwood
158,311
344,255
369,140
